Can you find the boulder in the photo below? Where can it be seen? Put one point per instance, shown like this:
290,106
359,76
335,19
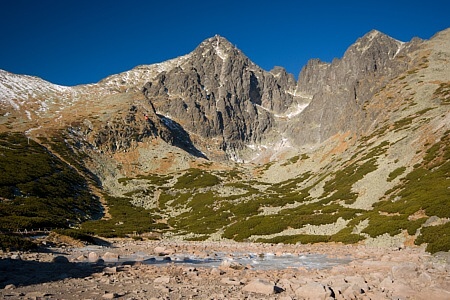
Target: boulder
230,281
112,257
313,291
162,280
406,271
93,257
261,286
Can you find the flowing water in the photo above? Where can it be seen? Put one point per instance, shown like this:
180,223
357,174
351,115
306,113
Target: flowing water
258,261
266,261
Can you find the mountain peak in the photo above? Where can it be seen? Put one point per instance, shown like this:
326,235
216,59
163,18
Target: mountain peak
218,40
217,45
375,37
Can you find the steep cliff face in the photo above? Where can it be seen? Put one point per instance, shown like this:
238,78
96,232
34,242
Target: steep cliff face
219,94
340,89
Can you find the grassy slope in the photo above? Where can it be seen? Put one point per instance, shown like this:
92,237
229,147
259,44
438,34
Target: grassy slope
39,190
196,209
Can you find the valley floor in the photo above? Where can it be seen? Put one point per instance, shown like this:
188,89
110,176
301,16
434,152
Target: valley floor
102,273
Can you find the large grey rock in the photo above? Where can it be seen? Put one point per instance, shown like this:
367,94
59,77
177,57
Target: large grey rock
215,102
111,257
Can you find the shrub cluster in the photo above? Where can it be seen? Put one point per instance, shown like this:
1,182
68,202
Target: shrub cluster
38,189
126,220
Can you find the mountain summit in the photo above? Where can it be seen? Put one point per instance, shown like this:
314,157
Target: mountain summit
219,94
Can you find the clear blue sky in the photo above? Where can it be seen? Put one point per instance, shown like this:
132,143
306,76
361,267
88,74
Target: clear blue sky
72,42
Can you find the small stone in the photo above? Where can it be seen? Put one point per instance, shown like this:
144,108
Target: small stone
9,287
110,270
162,280
230,281
216,272
109,296
16,257
81,258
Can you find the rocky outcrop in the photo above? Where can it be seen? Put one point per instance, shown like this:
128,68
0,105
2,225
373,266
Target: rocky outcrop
340,89
120,132
219,94
140,123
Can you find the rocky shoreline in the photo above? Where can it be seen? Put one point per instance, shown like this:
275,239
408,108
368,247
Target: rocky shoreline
103,273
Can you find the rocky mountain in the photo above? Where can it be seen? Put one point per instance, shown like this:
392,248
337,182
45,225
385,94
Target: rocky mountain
220,95
213,146
225,103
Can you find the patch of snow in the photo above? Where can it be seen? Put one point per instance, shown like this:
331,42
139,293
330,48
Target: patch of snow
220,52
279,147
303,95
28,132
401,45
17,90
43,106
296,111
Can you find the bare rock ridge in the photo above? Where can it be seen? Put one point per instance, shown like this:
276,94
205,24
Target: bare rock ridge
215,102
339,90
219,94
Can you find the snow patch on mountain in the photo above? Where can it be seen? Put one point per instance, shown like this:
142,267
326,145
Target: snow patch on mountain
15,90
137,77
296,110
